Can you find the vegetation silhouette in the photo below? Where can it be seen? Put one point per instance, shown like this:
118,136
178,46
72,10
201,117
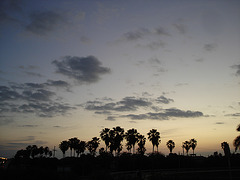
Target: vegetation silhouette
104,165
170,145
236,142
154,137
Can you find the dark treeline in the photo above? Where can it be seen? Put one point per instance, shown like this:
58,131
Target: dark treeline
85,163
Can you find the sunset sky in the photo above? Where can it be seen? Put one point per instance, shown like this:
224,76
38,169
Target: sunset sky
70,68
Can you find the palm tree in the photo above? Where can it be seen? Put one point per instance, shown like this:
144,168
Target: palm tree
132,138
73,144
116,138
141,144
105,136
154,137
193,144
171,145
93,145
226,149
186,145
236,142
80,148
64,145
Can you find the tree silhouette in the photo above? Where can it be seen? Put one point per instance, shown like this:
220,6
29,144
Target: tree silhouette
154,137
141,144
226,148
64,145
186,145
236,142
93,145
73,144
171,145
81,147
131,137
193,144
105,136
116,138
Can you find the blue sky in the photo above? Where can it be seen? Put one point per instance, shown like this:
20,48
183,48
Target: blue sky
70,68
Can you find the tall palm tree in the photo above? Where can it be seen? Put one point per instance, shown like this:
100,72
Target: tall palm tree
73,144
226,148
154,137
93,145
236,142
81,147
116,138
64,145
141,144
193,144
186,145
171,145
132,138
105,136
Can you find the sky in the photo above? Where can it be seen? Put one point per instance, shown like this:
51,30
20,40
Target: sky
71,68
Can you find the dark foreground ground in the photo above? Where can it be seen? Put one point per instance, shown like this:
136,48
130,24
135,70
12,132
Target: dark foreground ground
124,167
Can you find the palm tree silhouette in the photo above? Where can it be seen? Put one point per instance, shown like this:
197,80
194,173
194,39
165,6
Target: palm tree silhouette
132,138
236,142
226,148
116,138
154,137
141,144
72,144
93,145
186,145
171,145
105,136
193,144
81,147
64,145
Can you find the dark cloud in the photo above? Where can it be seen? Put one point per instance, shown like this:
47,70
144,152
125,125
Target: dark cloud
135,35
164,100
161,31
44,22
83,69
219,122
126,104
111,118
28,125
234,114
181,28
165,115
7,94
238,69
34,98
210,47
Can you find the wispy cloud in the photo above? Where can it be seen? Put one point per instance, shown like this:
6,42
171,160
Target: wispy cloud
237,67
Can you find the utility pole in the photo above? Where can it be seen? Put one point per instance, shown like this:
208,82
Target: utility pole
54,150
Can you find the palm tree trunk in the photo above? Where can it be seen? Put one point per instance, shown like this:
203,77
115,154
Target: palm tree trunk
153,148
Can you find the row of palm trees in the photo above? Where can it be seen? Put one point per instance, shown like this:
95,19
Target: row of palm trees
113,139
33,151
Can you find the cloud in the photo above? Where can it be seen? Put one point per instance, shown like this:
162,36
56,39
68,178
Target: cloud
234,114
111,118
164,100
219,123
165,115
210,47
126,104
161,31
28,125
44,22
135,35
83,69
238,69
33,98
181,28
